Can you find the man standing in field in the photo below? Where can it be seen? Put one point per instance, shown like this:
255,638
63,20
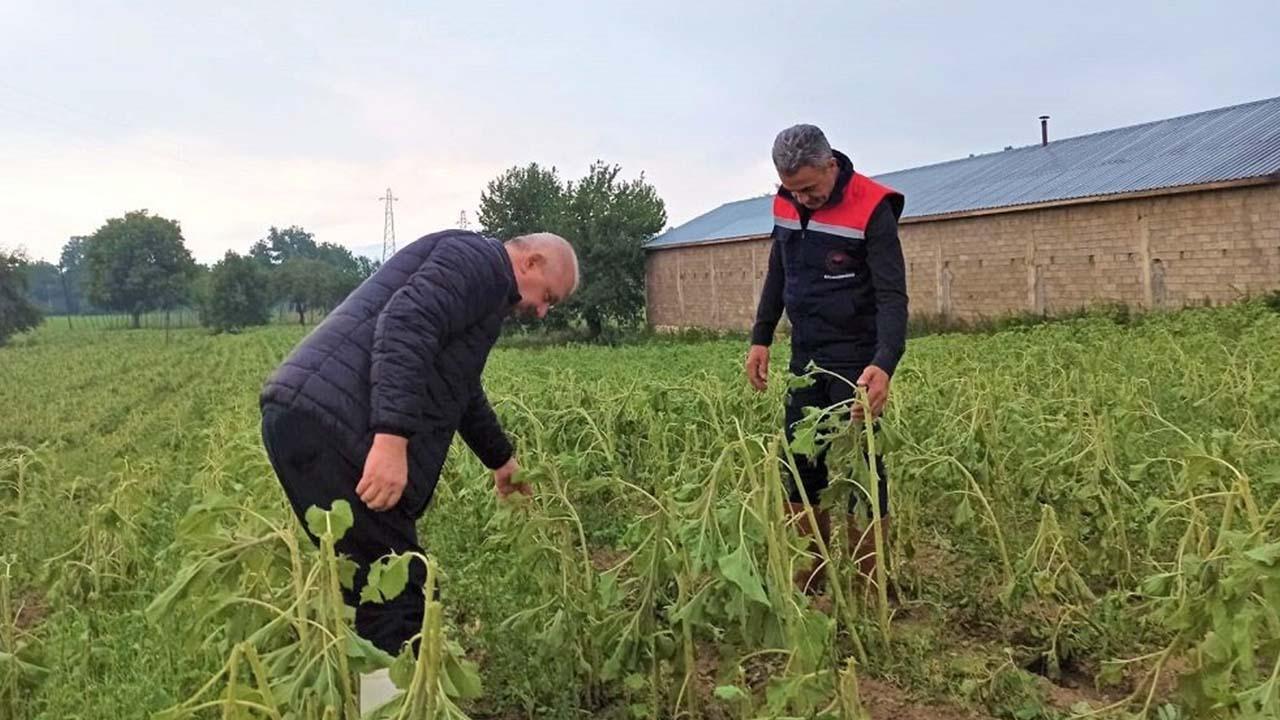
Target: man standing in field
836,267
366,407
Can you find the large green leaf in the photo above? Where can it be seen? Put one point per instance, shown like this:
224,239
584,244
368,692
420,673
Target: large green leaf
347,572
336,521
464,675
340,519
371,592
364,655
740,569
164,603
1267,554
395,576
805,440
317,520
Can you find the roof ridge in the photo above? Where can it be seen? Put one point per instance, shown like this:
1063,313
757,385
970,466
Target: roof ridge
1095,133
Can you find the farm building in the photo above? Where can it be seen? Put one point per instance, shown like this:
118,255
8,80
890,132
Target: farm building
1183,211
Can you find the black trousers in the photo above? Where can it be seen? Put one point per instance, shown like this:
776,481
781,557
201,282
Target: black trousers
313,473
814,475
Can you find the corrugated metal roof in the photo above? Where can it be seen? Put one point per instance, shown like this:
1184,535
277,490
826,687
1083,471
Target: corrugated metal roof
1232,143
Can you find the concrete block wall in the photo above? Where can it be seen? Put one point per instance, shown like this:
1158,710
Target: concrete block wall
1212,246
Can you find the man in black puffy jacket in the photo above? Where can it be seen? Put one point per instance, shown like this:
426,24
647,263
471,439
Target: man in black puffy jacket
365,408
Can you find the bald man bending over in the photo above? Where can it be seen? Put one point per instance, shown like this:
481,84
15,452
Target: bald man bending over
365,408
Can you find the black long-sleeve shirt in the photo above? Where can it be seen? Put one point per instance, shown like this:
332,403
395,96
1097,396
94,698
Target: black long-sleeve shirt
888,280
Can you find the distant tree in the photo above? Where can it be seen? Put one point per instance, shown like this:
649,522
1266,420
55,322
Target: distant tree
283,245
308,276
201,291
17,313
607,220
236,295
261,254
72,265
302,283
348,271
523,200
366,267
44,287
138,263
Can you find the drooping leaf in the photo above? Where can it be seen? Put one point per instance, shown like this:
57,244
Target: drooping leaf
164,603
316,520
805,441
740,569
963,514
1267,554
465,677
394,576
347,572
364,656
402,669
340,519
798,382
371,592
607,590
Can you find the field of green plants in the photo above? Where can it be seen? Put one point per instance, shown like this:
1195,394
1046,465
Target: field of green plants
1086,523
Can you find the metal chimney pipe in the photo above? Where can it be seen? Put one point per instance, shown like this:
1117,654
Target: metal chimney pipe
1044,130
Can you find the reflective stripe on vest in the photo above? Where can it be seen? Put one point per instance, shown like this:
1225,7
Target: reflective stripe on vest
847,219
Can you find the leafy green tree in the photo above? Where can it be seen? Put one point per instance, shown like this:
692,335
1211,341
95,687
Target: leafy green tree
44,287
260,251
138,263
282,245
347,272
201,292
17,313
308,275
608,221
523,200
299,281
74,272
236,294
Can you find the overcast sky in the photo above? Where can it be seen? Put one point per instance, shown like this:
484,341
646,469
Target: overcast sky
232,117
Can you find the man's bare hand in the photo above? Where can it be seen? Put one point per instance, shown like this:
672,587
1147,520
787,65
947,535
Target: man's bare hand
876,381
758,367
503,477
386,472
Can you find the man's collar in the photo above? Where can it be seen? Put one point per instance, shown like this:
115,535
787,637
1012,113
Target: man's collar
513,295
843,177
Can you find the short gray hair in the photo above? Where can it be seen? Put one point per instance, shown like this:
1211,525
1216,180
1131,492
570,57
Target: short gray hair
800,146
550,242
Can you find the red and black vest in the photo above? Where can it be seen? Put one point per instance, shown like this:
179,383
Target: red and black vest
828,293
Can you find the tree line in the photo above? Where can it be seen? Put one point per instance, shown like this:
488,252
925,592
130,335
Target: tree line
139,263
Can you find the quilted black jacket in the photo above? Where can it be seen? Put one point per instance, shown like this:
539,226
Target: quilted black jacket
403,354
